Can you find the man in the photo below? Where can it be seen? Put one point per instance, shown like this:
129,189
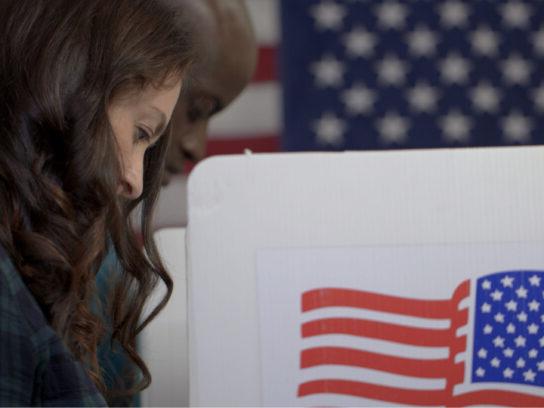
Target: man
224,65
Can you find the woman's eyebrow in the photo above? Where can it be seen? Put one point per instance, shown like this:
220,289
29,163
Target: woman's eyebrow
161,120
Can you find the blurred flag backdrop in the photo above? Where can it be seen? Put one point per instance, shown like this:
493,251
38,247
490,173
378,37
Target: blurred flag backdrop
375,74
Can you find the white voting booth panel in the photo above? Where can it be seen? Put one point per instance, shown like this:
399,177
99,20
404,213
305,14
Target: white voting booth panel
403,227
164,342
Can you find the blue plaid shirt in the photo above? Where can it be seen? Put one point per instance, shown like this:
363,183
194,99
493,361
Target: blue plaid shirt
35,366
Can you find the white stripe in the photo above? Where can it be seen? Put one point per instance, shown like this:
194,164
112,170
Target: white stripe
265,17
350,312
256,110
376,346
337,400
371,377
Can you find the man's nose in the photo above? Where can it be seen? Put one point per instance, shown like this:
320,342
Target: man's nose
132,183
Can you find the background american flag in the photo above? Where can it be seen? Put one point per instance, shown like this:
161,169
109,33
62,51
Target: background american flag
362,74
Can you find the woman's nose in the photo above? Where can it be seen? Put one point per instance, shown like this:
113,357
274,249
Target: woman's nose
132,183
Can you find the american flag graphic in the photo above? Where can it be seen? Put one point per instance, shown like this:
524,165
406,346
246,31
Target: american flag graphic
377,74
492,328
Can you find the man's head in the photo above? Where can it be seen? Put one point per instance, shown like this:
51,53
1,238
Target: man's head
225,61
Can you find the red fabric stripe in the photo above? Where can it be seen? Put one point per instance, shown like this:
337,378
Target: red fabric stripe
376,392
233,145
357,358
236,145
435,309
267,64
378,330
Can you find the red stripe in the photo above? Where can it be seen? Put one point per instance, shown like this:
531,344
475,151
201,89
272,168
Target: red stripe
497,397
335,297
237,145
265,143
379,330
267,64
356,358
376,392
330,297
418,397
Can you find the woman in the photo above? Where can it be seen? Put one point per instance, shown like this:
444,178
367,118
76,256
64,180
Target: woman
87,91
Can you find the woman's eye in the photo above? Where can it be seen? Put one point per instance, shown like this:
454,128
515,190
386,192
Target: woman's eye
142,135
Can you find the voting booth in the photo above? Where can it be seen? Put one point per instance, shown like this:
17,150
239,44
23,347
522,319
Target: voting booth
367,278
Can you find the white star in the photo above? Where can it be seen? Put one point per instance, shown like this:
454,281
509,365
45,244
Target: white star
391,70
486,308
454,69
358,99
488,329
422,42
484,41
517,127
393,128
534,280
456,127
532,328
495,362
423,97
359,43
520,341
515,14
520,363
510,328
328,72
453,14
482,353
485,97
498,341
516,70
542,318
508,352
521,292
534,305
538,98
329,129
328,15
391,14
512,306
529,375
480,372
508,372
522,317
538,42
540,365
541,341
499,317
533,353
486,284
507,281
496,295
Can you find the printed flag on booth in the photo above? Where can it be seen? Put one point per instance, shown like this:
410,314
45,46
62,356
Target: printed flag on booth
508,345
451,325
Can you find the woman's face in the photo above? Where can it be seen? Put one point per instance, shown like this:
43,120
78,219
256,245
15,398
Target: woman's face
138,120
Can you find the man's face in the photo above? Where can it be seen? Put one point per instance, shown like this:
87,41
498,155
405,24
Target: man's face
225,39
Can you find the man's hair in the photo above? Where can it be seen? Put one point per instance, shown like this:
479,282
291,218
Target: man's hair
62,63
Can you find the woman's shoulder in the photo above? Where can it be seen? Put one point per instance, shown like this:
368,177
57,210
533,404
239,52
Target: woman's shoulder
18,308
36,366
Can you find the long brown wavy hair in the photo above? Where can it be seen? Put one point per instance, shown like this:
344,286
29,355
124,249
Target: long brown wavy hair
62,63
